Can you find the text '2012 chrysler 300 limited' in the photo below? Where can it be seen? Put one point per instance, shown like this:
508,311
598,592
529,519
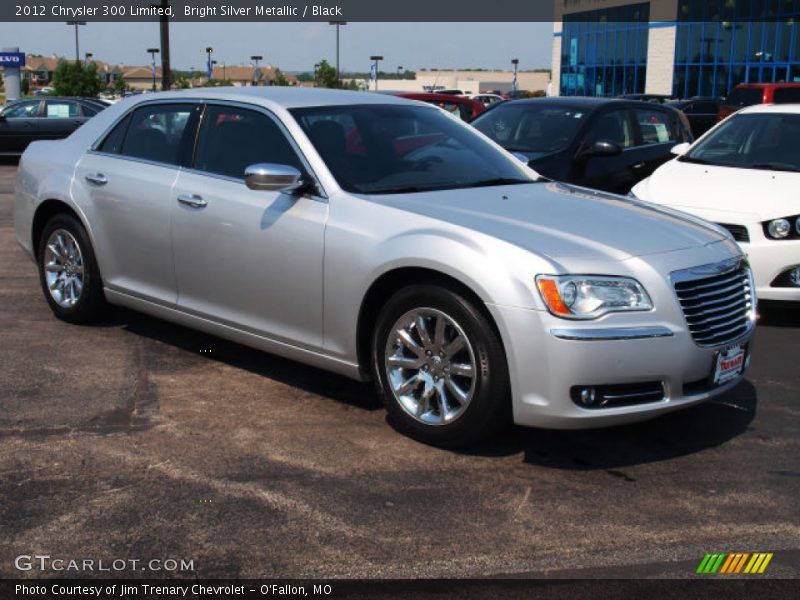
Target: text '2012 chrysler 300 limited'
378,238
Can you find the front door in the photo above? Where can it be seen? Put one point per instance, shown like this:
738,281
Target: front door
249,258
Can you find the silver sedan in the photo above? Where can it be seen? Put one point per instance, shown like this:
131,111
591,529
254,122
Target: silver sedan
380,239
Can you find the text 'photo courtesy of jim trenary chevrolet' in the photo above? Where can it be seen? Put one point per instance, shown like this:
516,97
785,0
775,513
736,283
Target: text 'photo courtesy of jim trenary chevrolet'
443,300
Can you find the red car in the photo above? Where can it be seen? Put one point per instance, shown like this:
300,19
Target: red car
463,107
748,94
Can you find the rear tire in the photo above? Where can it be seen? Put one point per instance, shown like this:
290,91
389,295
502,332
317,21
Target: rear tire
68,271
439,367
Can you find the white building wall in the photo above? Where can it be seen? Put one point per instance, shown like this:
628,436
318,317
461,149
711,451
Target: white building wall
660,60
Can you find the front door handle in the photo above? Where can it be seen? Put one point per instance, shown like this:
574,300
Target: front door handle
192,200
96,178
638,165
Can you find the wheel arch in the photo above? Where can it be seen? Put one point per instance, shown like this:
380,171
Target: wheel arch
46,211
394,280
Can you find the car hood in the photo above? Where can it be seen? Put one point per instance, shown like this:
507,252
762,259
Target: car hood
724,194
561,221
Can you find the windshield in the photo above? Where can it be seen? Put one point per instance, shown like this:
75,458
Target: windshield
752,141
393,149
531,127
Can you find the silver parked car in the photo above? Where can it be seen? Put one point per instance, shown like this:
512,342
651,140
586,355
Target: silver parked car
378,238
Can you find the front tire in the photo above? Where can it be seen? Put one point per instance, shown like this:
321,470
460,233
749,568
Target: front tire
439,367
68,271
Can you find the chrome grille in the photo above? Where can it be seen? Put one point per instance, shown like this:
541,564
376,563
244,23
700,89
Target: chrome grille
717,301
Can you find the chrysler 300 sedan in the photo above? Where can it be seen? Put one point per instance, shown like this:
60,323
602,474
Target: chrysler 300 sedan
378,238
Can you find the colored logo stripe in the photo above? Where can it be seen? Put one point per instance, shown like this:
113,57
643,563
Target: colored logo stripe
722,563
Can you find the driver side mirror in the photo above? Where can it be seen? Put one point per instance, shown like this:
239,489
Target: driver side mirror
272,177
601,148
680,149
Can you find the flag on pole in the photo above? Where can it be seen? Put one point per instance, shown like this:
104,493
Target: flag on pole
374,72
209,70
514,82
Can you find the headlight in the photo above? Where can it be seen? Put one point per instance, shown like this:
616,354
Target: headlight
779,228
797,225
591,296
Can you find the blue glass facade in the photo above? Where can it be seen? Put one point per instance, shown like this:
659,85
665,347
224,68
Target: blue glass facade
717,47
719,44
604,52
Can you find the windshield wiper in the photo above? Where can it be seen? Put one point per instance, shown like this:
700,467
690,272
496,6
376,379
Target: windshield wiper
498,181
698,161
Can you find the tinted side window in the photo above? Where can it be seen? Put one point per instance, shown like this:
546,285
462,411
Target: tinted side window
59,109
655,125
22,110
231,139
156,132
784,95
113,142
612,126
89,111
706,108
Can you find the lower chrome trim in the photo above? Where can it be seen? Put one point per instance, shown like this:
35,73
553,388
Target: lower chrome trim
617,333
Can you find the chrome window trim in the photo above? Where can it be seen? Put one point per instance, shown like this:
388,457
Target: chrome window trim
611,333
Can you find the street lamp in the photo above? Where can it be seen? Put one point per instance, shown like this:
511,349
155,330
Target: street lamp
209,70
166,70
153,52
399,72
77,46
376,60
515,62
337,23
256,73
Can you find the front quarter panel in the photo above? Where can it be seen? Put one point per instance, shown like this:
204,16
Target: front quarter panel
365,239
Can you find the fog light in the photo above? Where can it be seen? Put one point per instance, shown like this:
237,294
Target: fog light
794,276
779,228
588,396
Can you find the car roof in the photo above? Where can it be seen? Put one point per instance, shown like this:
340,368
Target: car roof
286,97
433,96
793,109
768,85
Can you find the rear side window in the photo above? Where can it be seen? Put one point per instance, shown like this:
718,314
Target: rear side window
745,97
112,144
785,95
232,139
156,132
54,109
612,126
656,126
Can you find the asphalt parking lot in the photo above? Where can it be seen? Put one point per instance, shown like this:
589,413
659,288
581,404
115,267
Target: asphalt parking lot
141,439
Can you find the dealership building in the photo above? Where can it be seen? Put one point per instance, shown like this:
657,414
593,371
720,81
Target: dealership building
680,47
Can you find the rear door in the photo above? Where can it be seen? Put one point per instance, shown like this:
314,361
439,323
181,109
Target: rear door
658,131
19,126
125,184
60,118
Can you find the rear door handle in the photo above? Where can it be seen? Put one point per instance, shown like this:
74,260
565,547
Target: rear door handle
96,178
192,200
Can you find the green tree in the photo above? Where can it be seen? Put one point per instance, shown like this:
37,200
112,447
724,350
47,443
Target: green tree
281,79
25,86
181,82
216,83
73,79
326,76
120,85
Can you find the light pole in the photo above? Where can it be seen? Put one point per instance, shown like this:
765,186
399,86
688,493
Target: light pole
515,62
77,45
316,66
399,72
256,73
376,60
337,23
153,52
209,69
87,57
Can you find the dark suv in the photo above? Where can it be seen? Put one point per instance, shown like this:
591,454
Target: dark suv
747,94
604,143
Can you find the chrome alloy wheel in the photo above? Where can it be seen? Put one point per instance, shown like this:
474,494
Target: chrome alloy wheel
63,268
430,366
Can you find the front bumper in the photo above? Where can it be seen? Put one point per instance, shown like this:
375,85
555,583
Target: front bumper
769,259
548,356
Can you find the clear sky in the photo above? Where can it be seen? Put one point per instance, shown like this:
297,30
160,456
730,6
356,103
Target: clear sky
297,46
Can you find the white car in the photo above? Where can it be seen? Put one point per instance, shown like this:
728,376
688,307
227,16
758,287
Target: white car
744,175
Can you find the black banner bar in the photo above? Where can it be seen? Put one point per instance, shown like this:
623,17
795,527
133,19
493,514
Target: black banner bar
286,10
